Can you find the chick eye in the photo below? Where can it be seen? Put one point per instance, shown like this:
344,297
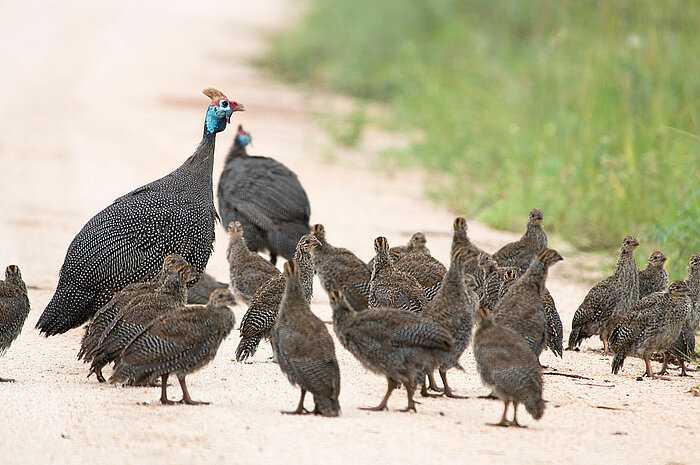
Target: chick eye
224,104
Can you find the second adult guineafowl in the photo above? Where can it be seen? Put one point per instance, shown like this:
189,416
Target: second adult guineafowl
267,199
304,349
127,241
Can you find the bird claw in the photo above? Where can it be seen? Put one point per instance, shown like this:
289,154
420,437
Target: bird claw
378,408
303,411
194,402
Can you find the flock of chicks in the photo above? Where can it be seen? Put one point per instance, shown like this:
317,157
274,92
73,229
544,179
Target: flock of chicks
403,316
133,268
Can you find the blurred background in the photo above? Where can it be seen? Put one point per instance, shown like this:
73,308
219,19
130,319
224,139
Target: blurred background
589,110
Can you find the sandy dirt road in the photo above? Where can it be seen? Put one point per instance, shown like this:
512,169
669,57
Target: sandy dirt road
101,97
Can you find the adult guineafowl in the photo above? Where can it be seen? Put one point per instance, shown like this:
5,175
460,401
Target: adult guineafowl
127,241
267,199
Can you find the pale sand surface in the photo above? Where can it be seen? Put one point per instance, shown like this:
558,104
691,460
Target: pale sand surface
101,97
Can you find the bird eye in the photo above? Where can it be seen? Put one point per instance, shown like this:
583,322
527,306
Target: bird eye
224,104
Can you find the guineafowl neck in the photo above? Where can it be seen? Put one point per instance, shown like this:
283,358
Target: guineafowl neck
200,165
693,283
306,272
535,233
293,294
453,282
626,272
535,274
237,248
237,150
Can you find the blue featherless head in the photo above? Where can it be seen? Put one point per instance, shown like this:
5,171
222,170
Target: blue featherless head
220,110
243,137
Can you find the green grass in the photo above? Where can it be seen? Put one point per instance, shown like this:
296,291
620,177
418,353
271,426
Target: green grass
587,110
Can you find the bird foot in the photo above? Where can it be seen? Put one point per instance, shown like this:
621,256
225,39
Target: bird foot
452,395
409,408
167,402
488,396
7,380
302,411
378,408
194,402
504,424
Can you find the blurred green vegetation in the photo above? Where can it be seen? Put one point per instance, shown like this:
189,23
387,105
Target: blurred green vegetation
588,110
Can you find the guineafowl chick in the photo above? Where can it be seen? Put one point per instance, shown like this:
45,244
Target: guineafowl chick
415,244
487,265
137,315
14,308
179,342
266,197
248,270
453,308
521,307
400,345
304,349
127,241
107,314
607,299
653,278
202,289
461,239
262,312
339,268
683,348
555,328
391,288
427,270
520,252
508,366
496,284
651,326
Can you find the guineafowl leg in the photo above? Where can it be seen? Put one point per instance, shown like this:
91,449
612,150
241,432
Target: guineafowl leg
649,372
164,390
682,362
606,349
99,375
424,386
665,364
433,385
300,408
391,385
504,421
515,416
273,258
409,393
448,390
492,395
186,395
